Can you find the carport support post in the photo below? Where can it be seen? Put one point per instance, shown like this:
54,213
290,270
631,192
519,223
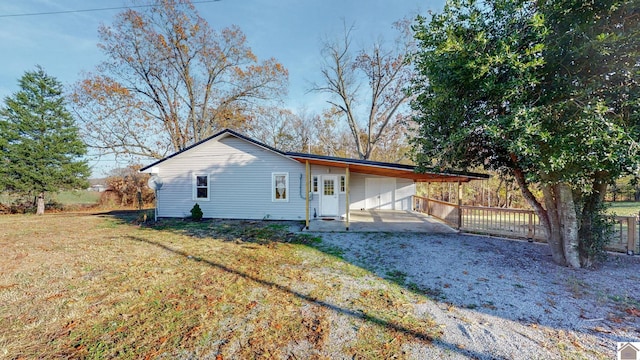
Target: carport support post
459,205
306,197
346,193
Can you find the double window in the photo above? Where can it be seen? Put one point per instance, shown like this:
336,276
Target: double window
279,187
201,186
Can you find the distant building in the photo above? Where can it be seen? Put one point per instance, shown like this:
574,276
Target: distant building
97,187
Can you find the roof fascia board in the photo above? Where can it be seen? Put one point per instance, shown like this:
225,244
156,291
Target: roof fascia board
400,167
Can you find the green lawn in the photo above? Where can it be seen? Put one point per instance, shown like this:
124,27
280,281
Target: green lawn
69,197
76,197
624,208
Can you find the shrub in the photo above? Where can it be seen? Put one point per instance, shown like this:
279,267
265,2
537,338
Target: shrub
196,213
126,184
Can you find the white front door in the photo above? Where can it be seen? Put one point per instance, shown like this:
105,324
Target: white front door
329,196
379,193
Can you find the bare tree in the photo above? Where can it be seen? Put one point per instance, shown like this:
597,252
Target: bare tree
384,72
273,126
170,80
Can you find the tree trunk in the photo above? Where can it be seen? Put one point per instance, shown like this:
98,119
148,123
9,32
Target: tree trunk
40,204
548,216
569,224
552,225
588,230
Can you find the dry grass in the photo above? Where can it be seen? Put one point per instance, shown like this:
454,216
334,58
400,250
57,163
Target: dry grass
86,286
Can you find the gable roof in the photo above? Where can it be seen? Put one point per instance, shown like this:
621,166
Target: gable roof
217,136
354,165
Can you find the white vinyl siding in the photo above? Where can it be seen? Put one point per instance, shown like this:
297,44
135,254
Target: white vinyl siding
401,197
240,174
405,189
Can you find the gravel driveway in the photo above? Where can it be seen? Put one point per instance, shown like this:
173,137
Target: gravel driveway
505,299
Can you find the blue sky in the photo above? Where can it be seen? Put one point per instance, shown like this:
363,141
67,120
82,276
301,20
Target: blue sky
290,31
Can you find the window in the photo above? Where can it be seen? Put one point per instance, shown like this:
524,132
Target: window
343,183
314,184
200,187
329,186
280,186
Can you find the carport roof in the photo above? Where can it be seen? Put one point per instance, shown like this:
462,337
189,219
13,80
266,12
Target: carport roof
387,169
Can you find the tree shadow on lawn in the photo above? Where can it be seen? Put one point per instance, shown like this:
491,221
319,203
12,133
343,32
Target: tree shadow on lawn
327,305
271,231
129,216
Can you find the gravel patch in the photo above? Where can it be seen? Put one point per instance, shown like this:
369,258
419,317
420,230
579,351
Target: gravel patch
504,299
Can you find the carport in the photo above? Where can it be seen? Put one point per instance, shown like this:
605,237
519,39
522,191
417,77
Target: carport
373,219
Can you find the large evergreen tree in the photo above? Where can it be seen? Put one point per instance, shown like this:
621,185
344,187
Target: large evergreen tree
547,91
41,147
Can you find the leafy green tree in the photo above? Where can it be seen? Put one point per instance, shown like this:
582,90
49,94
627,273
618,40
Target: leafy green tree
41,148
546,91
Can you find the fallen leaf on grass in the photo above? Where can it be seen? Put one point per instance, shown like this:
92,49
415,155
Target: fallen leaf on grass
251,305
616,319
54,296
601,329
633,311
489,306
2,287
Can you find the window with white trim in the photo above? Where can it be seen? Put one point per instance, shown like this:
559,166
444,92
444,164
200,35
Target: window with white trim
201,187
343,184
314,184
280,186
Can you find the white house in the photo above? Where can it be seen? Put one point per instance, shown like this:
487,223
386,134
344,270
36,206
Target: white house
235,177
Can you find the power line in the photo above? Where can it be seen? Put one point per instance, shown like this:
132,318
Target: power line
92,10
